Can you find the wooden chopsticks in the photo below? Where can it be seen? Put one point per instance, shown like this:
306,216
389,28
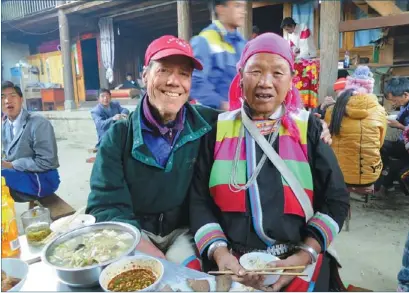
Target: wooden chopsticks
266,271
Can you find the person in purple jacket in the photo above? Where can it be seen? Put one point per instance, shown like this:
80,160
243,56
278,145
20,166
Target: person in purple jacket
106,113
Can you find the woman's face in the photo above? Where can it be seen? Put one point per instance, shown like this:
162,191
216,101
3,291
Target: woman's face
266,80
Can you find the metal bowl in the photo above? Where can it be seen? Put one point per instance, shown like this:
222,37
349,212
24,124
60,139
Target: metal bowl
88,276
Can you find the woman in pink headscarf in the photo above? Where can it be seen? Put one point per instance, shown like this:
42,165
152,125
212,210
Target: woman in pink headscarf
265,181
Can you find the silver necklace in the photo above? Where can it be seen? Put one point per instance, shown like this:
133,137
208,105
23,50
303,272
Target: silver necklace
233,185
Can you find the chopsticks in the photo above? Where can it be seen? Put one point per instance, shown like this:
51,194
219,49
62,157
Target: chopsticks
265,271
63,225
259,273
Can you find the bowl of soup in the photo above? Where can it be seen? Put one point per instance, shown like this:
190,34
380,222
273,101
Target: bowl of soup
132,274
80,255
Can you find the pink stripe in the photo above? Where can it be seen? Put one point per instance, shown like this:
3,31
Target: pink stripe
327,229
289,151
209,236
226,149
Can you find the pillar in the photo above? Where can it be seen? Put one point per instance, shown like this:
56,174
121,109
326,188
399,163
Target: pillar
184,19
247,29
65,44
330,16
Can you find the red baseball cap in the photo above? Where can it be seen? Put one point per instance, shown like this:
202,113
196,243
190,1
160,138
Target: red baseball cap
166,46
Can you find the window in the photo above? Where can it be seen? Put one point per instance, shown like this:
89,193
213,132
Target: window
364,37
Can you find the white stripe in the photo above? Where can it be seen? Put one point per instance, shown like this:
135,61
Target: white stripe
230,115
39,184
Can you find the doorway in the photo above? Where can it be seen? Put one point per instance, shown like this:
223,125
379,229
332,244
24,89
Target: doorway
90,66
268,18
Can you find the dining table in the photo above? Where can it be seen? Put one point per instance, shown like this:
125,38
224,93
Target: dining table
43,278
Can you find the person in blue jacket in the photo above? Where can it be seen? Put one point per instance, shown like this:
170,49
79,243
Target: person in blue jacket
218,47
106,113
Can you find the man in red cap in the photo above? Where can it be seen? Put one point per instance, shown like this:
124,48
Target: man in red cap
144,165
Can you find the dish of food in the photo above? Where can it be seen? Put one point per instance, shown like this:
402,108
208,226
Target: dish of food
259,261
132,280
8,282
91,248
140,273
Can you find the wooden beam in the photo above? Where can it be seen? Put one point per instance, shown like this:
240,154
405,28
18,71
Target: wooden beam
247,29
65,43
184,19
384,8
158,10
85,5
287,12
330,16
374,22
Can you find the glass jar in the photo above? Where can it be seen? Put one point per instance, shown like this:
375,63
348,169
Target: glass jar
36,224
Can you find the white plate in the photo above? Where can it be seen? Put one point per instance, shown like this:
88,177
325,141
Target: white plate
16,268
79,221
254,259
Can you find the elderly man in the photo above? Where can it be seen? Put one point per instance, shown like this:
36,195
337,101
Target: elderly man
144,165
29,149
106,113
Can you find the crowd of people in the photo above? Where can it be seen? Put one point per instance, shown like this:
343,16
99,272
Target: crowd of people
248,169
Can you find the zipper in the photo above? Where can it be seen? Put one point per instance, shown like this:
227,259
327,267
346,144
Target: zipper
160,228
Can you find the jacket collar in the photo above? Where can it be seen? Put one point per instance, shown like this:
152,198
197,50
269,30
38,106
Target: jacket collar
230,37
23,122
195,126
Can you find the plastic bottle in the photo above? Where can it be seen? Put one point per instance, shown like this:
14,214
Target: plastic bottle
346,59
10,245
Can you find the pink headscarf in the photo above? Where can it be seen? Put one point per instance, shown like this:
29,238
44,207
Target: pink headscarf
273,44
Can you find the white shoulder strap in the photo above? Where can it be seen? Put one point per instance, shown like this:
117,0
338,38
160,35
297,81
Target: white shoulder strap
292,181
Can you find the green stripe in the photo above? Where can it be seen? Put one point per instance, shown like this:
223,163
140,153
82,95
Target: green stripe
302,172
221,172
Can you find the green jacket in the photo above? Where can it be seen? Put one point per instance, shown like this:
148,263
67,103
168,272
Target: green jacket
127,184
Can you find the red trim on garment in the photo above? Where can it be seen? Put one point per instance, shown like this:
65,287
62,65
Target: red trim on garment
194,265
305,34
299,285
291,203
227,200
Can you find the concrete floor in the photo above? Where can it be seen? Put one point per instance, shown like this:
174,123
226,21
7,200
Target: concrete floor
370,253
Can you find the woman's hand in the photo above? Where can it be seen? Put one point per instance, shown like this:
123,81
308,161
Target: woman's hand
395,124
6,165
325,135
301,258
226,261
149,248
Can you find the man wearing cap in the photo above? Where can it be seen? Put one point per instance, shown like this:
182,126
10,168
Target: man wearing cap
145,164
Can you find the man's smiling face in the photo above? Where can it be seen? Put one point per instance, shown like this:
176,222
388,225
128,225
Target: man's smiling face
168,83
